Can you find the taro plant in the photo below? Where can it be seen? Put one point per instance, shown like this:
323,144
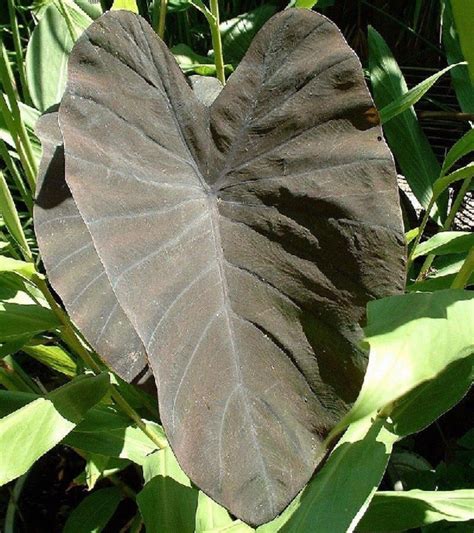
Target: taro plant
224,269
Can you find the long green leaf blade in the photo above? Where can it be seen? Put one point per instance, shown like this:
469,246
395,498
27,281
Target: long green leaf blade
29,432
399,511
411,97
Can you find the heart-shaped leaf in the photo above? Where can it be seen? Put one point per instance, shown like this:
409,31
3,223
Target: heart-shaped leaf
243,240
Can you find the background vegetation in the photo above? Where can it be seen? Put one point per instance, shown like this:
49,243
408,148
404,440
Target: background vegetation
80,450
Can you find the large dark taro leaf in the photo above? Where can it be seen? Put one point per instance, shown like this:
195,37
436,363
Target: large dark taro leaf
242,240
74,268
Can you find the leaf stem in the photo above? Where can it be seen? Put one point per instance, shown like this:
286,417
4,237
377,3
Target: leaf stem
424,221
13,118
16,176
217,41
162,18
462,277
18,51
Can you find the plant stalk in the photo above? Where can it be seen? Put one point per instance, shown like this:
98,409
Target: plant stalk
15,122
162,18
217,41
20,63
424,221
462,277
16,176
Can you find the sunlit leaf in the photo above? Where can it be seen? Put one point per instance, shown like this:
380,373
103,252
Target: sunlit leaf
337,497
167,501
446,242
47,55
412,339
21,315
32,430
237,33
400,511
129,5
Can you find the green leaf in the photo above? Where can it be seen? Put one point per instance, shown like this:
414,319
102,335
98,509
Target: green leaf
463,13
190,61
11,347
54,357
446,242
47,54
424,404
99,467
412,339
460,76
237,33
103,431
8,264
10,217
32,430
168,502
95,466
108,433
441,274
210,516
22,316
442,183
337,496
399,511
175,6
411,235
13,377
11,401
128,5
93,10
436,283
405,137
29,116
94,512
460,148
309,4
164,463
411,97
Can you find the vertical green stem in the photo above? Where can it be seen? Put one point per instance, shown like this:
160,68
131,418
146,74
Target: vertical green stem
217,41
162,19
16,176
420,233
12,220
14,116
462,277
18,50
11,126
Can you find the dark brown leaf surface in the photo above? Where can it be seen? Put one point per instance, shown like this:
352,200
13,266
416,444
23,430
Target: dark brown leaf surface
74,268
243,241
